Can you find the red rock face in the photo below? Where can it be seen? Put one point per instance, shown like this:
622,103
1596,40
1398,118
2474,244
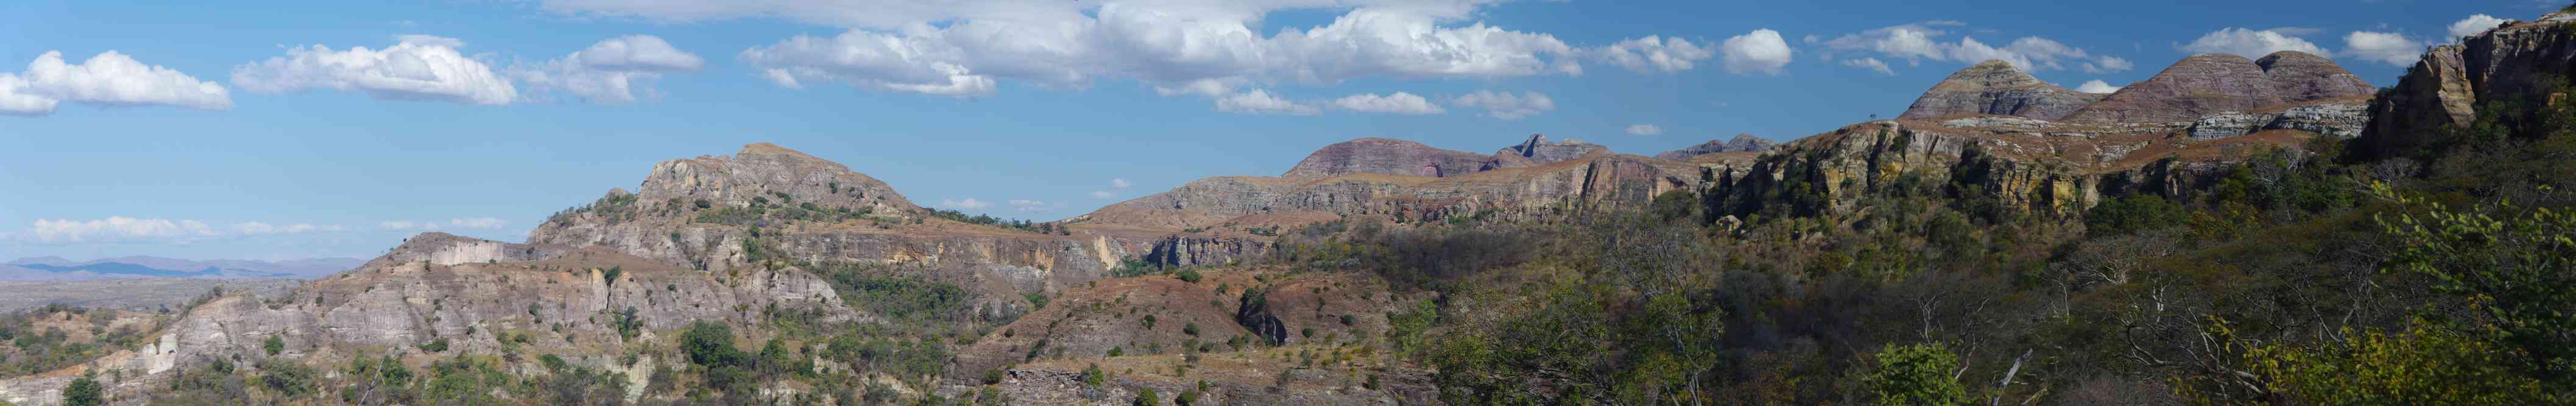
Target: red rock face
2212,83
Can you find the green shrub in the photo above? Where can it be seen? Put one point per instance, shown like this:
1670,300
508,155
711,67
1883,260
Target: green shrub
438,345
1147,397
83,391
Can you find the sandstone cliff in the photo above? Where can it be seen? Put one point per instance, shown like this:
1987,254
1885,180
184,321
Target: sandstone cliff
1995,87
2212,83
2017,165
2512,68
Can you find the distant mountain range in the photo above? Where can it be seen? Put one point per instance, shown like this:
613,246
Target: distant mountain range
58,268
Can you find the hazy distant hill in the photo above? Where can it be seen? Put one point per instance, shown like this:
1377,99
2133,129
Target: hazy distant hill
142,294
57,268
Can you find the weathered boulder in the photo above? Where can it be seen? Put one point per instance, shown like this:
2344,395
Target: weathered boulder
1995,87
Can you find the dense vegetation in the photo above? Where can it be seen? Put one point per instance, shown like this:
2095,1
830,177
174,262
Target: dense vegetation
2300,276
36,340
2316,274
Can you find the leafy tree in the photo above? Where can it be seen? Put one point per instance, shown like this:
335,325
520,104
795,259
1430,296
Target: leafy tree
84,391
710,344
287,379
1147,397
438,345
274,345
1917,374
1093,376
2515,267
2425,365
2132,214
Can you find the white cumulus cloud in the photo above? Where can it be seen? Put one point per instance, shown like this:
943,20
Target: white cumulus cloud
1507,106
1120,183
2383,47
1259,101
418,67
611,71
1760,51
118,228
2097,86
2107,64
1654,54
1918,42
407,225
1398,103
2251,43
2474,24
477,222
967,203
967,48
1872,64
262,228
109,78
1645,129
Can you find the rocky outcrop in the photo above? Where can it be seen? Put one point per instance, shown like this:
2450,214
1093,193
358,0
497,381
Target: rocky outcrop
2207,84
2056,168
1832,173
2342,118
2512,66
1539,151
1192,250
1995,87
2339,120
1510,192
796,208
569,300
1387,156
1741,143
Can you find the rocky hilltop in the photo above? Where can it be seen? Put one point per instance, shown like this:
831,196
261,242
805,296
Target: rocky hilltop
2207,84
1539,151
456,294
1995,87
1741,143
1387,156
2020,165
769,204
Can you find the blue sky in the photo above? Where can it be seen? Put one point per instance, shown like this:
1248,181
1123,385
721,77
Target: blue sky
263,133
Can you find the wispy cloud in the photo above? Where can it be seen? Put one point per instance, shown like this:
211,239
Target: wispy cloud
131,229
967,203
